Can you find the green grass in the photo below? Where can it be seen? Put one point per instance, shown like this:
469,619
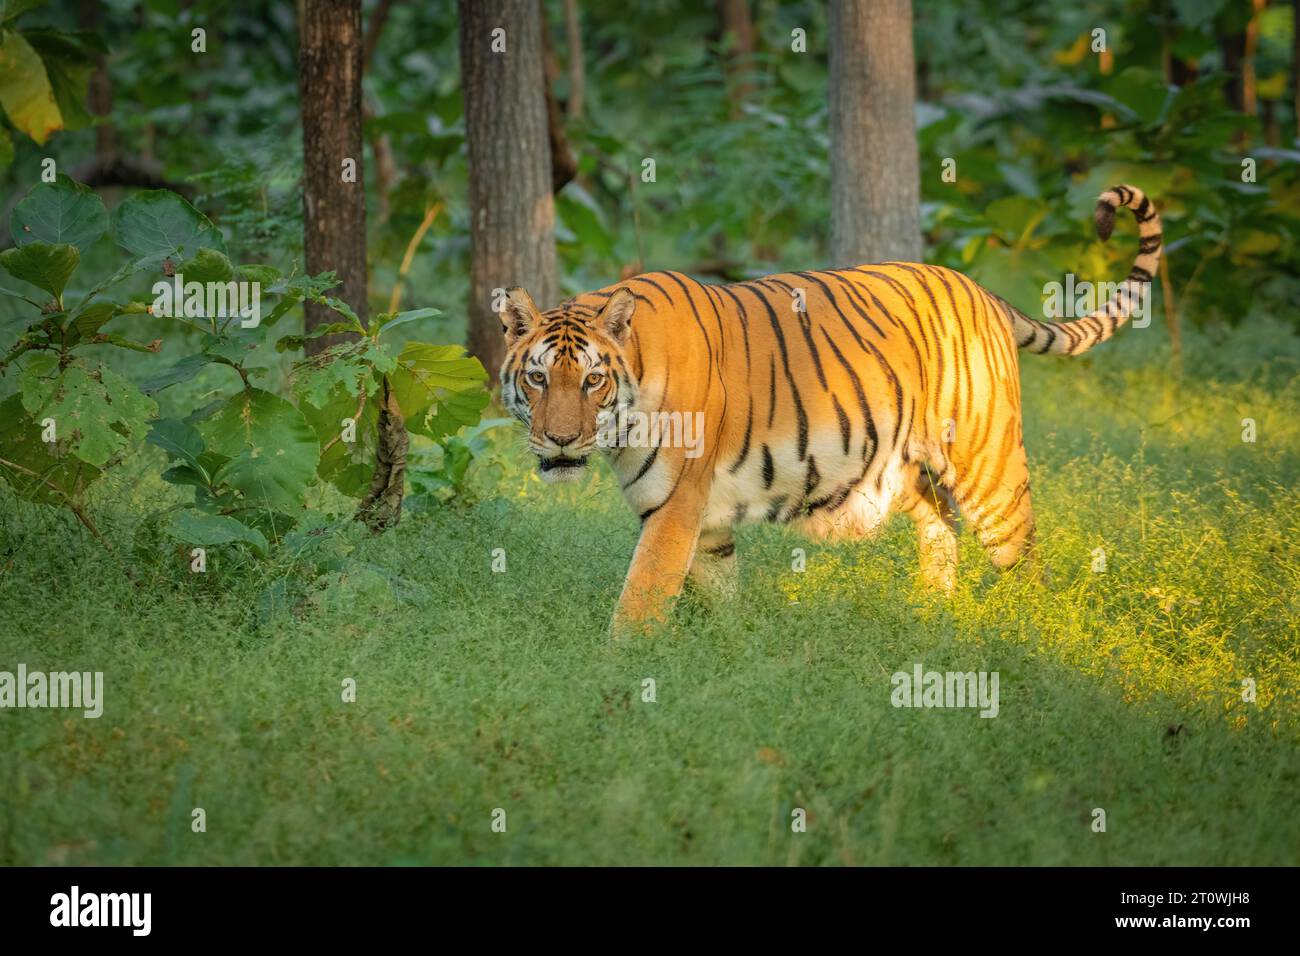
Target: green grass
478,690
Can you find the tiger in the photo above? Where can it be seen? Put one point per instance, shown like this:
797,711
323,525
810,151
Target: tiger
828,401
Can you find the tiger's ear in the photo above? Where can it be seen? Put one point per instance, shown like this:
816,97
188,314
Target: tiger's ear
615,320
519,315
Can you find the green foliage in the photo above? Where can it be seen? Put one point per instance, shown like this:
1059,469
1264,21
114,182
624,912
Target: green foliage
249,457
440,471
103,411
158,224
43,78
57,213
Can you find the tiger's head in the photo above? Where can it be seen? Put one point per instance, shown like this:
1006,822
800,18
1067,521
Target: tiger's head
565,376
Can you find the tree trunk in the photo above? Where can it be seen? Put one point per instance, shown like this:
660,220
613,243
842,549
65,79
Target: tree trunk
875,183
512,213
1295,65
737,28
563,166
333,194
577,71
381,508
100,91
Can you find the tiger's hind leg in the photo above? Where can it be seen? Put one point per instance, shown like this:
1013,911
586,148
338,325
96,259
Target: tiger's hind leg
1001,514
930,506
713,570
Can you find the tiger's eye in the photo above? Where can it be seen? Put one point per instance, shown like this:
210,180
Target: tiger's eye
594,379
537,378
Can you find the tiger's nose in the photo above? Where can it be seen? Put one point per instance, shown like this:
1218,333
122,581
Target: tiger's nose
563,440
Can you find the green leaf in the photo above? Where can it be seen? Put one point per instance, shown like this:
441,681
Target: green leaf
68,64
291,343
46,266
1015,216
182,371
97,410
6,149
1141,90
273,452
207,265
178,439
232,348
35,471
94,316
346,465
254,272
578,211
390,320
13,9
438,387
25,90
205,530
157,223
316,378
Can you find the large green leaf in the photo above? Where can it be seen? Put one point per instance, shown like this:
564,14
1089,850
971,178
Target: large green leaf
1141,90
206,530
348,466
182,371
272,450
156,222
439,388
25,90
36,472
207,265
97,410
69,61
178,439
46,266
59,212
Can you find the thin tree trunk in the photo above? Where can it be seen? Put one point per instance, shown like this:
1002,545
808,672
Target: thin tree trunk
100,92
1249,95
1295,65
737,29
381,507
333,195
577,70
875,181
381,147
512,212
563,166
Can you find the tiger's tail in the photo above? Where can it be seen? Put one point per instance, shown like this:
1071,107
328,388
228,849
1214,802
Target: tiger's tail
1076,337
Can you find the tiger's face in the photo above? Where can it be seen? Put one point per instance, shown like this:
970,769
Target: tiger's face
565,376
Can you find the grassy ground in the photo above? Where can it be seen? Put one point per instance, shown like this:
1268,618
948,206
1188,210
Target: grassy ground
479,690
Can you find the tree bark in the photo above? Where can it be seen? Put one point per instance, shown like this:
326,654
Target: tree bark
334,210
563,164
512,213
875,182
1295,65
99,96
577,70
381,508
734,21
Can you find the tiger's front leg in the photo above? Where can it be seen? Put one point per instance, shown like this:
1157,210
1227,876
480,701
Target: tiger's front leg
659,566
